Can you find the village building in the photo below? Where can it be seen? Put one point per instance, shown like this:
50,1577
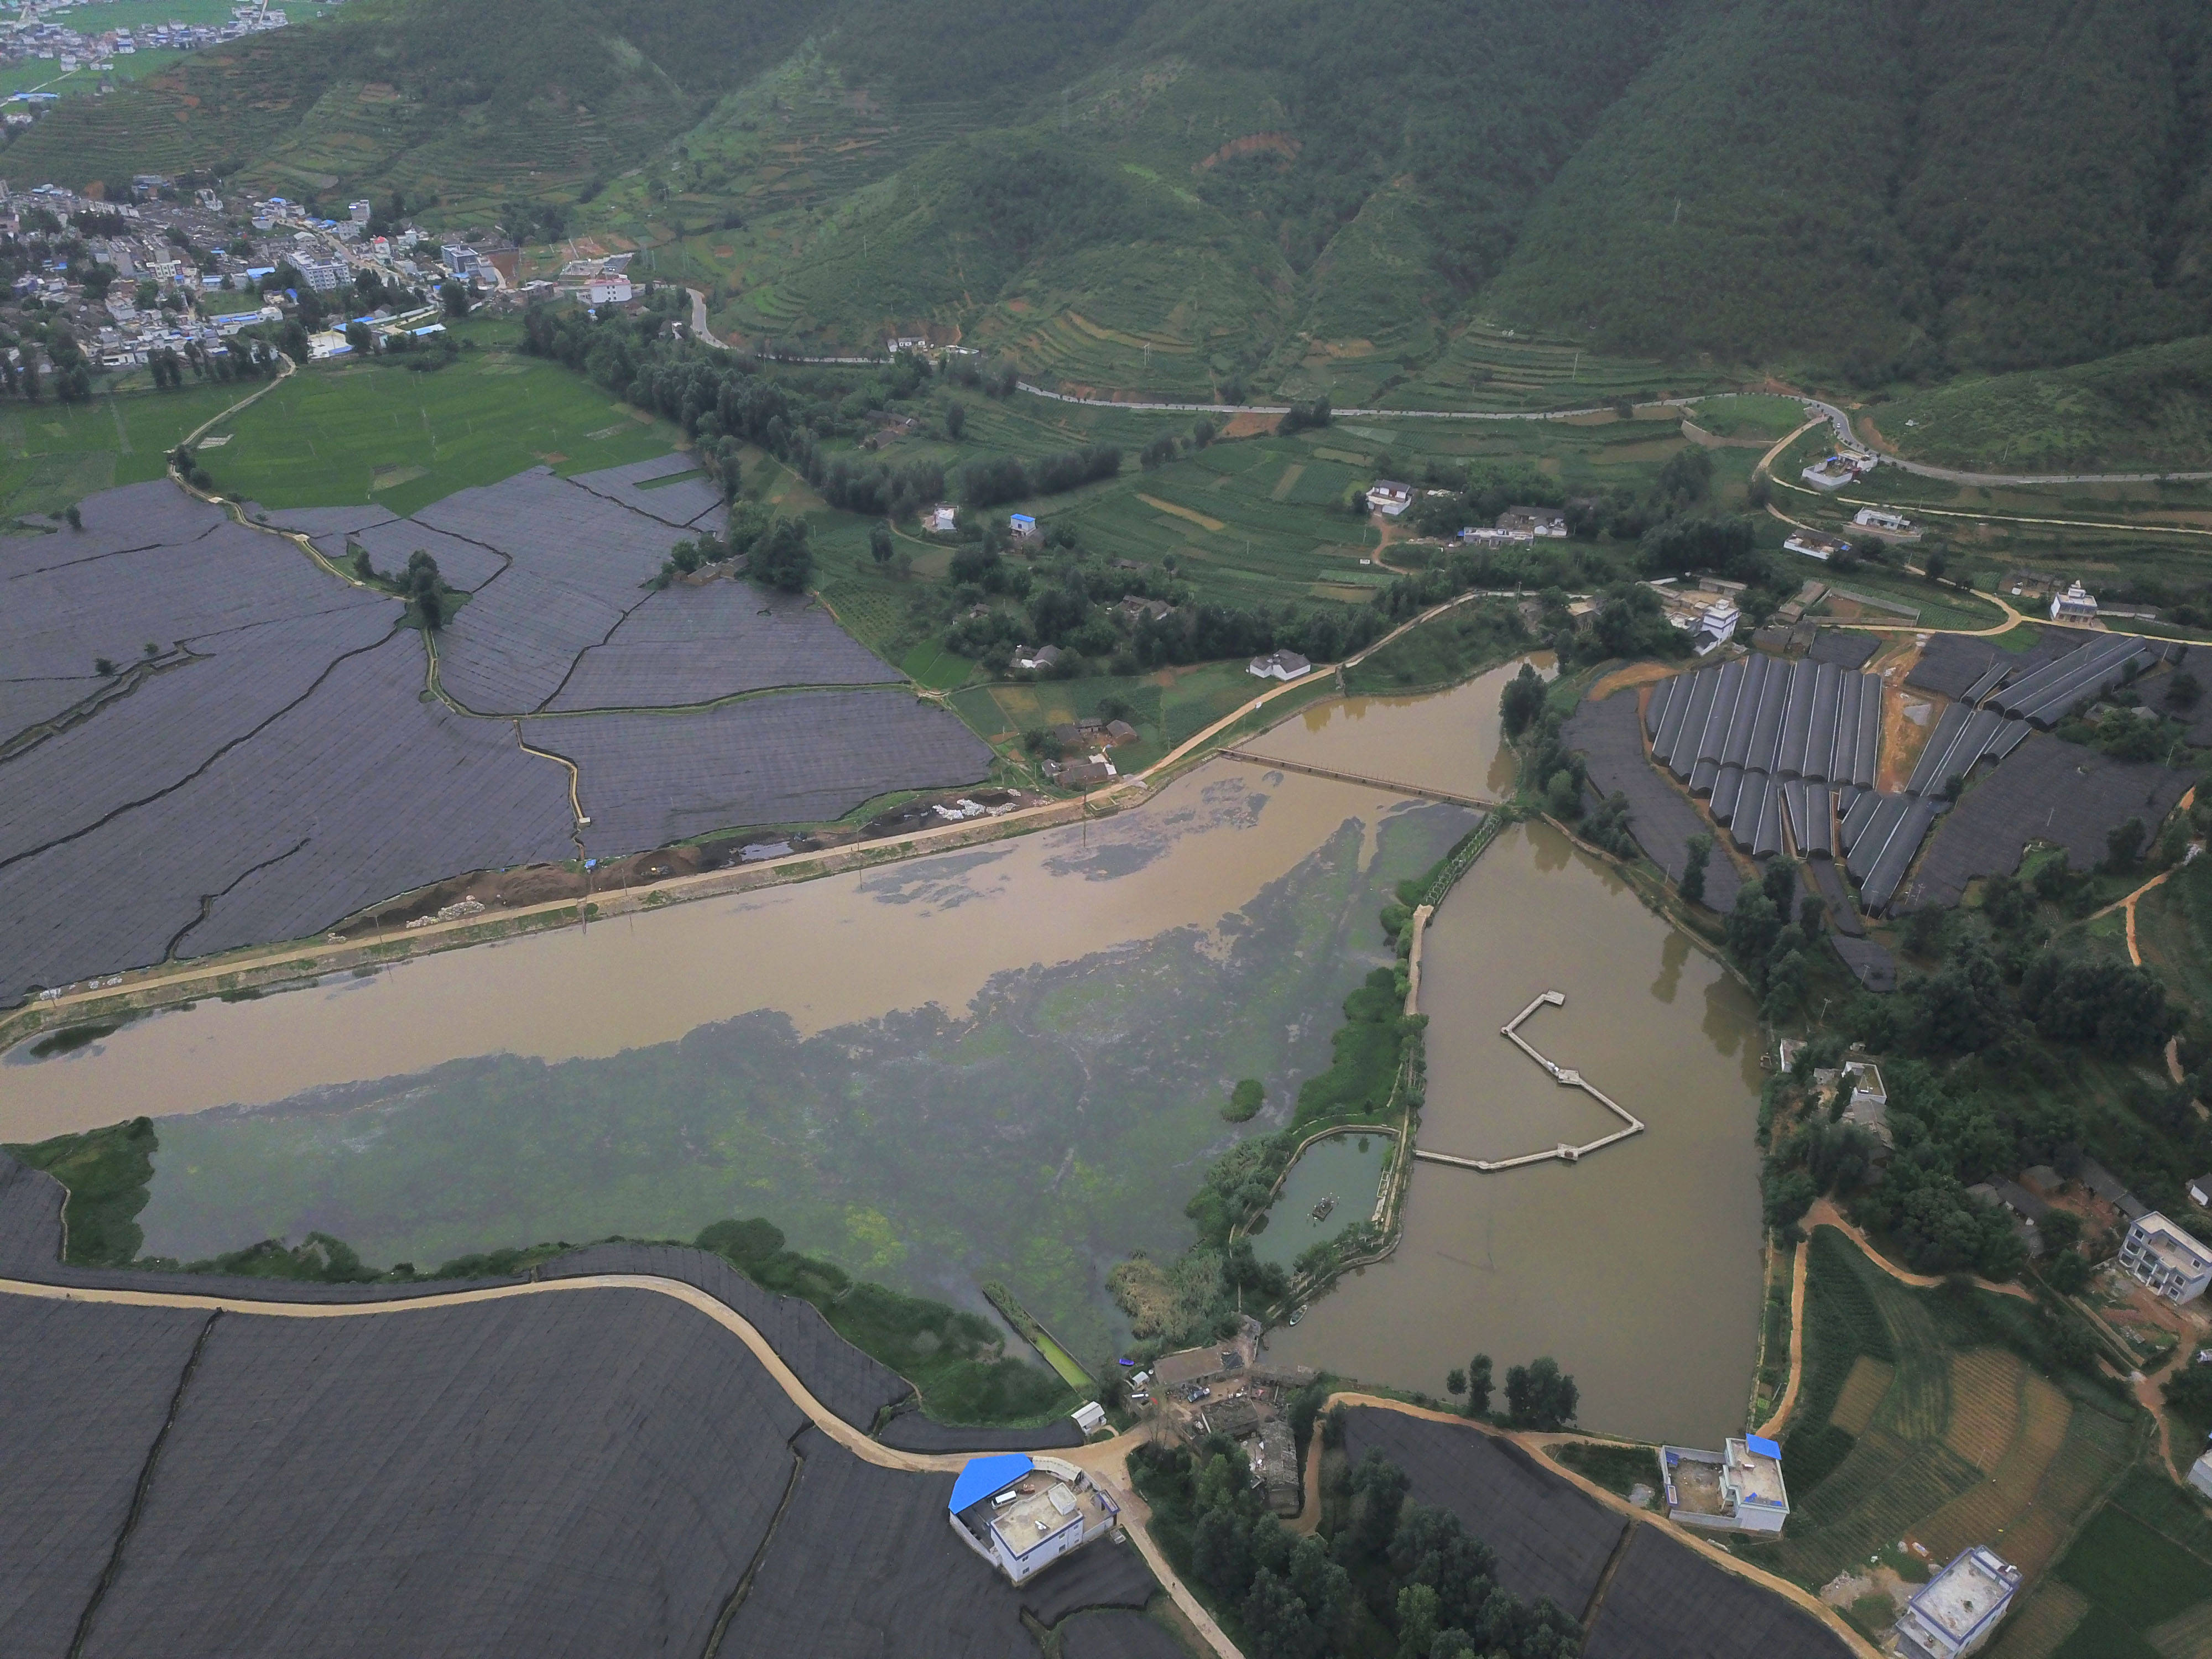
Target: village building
1021,1513
1533,521
1835,471
2169,1261
1085,772
945,519
1135,608
2200,1475
1389,498
2200,1192
1955,1613
1738,1489
1815,545
1716,627
2074,605
1278,665
1036,658
1883,522
2107,1186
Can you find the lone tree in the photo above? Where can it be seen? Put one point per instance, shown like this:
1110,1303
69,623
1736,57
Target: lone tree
1539,1395
956,419
1696,851
75,517
879,543
424,590
1522,701
1478,1386
782,559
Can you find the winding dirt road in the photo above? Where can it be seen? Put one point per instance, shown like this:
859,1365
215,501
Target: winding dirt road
1107,1460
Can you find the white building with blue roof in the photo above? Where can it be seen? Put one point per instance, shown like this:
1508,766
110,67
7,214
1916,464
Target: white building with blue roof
1022,1513
1737,1489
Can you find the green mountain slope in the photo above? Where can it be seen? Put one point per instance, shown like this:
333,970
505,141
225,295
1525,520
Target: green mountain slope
1919,185
1360,197
2147,408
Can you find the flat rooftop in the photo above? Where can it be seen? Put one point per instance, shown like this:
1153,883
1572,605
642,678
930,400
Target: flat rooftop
1046,1506
1963,1595
1758,1477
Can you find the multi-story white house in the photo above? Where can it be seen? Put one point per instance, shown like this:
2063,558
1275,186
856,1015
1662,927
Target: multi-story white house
1021,1514
2171,1261
1955,1613
2075,605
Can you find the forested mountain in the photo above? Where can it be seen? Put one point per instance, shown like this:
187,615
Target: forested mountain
1902,184
1298,195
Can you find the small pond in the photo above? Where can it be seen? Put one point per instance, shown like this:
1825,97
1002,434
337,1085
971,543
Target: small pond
1347,1168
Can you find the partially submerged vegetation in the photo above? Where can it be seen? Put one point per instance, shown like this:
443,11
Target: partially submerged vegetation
956,1360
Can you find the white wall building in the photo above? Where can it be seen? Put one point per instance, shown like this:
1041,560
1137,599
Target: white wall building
2171,1261
1738,1489
1021,1514
2074,605
1715,628
1955,1613
1281,665
1389,498
1874,518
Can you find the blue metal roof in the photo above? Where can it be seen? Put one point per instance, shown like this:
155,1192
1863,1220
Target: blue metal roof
985,1475
1763,1446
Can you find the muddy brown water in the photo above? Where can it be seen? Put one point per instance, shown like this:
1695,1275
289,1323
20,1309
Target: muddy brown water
1448,740
825,953
1639,1268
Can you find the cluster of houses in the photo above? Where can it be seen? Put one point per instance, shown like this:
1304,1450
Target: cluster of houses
179,276
31,37
1518,525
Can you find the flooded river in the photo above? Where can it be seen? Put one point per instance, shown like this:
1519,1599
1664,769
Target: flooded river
1010,1062
1004,1062
1638,1269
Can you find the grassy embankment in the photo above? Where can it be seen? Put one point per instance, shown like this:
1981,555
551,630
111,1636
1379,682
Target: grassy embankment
953,1358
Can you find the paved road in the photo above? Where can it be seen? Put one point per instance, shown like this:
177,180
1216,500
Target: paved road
1366,414
1842,423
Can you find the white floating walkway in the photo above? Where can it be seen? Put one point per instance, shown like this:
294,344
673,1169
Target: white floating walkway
1567,1078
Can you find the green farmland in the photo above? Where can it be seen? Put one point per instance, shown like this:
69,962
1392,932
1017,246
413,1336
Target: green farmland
356,431
54,454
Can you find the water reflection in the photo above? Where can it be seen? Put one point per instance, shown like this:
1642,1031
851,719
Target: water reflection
1448,740
1637,1269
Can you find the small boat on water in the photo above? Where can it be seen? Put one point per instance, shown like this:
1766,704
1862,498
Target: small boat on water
1320,1211
1297,1314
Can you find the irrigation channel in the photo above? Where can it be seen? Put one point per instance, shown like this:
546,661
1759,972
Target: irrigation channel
1007,1063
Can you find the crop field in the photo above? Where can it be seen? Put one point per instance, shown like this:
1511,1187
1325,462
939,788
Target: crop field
2136,1583
1486,366
804,757
248,771
53,454
1916,1420
1166,706
359,432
